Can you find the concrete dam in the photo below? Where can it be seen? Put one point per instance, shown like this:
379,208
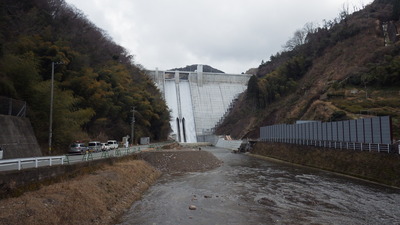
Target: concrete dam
197,100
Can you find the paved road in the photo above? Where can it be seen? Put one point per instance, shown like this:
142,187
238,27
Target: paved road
25,163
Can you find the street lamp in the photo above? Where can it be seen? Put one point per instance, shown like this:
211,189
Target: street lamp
132,123
51,103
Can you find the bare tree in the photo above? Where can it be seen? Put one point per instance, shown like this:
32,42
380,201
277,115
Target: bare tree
299,36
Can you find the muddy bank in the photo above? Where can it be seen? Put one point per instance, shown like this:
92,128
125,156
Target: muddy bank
377,167
181,161
96,198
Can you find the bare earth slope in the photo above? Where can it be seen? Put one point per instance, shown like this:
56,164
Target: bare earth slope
103,196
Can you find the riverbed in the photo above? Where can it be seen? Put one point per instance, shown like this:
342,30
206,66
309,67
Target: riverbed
248,190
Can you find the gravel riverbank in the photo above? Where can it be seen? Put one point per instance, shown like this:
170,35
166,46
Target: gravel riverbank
181,161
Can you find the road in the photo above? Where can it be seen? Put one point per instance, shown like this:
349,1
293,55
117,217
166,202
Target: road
25,163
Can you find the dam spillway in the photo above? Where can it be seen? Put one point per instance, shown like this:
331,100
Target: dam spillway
197,100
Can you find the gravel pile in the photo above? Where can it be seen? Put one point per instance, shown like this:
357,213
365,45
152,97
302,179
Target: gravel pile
181,161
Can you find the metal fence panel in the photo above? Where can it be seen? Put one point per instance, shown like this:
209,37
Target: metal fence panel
328,131
368,130
386,130
323,131
334,131
376,130
340,131
346,129
291,131
314,131
319,131
353,131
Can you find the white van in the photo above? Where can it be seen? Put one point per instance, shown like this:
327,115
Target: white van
112,144
94,146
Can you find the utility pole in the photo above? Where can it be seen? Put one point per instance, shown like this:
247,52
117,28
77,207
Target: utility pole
51,104
132,123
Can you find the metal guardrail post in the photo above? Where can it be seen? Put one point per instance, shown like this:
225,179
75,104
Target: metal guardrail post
105,154
117,152
88,155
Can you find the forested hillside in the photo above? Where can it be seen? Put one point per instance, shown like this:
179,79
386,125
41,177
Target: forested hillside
346,68
96,81
192,68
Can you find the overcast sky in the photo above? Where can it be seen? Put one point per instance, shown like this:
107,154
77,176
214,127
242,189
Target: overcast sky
230,35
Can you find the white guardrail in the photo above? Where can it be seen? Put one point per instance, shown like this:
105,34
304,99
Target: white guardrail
33,162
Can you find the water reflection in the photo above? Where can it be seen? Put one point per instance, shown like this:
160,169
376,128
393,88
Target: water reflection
247,190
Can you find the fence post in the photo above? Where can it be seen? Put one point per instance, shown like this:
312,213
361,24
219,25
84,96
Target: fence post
10,107
36,163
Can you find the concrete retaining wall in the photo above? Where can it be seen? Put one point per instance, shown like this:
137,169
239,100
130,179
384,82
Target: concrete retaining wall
378,167
17,138
15,183
228,144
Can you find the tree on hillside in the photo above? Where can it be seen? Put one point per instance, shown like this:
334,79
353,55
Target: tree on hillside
300,36
396,10
95,87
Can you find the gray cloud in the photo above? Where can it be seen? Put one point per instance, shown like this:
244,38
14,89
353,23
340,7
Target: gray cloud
230,35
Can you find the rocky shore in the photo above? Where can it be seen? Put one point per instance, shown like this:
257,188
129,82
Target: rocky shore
181,161
101,197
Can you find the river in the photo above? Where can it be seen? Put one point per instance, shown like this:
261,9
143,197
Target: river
248,190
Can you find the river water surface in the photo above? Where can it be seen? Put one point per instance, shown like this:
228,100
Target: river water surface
248,190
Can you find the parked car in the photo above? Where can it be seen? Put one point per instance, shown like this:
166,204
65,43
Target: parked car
94,146
113,144
105,147
77,148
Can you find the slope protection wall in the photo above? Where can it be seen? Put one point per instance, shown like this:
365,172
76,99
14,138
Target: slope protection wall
211,101
17,138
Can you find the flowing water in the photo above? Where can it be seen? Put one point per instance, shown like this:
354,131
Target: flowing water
247,190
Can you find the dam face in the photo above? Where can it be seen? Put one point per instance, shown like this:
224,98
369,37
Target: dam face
197,100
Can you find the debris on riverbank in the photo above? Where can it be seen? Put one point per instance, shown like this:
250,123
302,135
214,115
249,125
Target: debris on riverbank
180,161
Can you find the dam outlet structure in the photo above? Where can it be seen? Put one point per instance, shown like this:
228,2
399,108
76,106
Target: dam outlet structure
197,100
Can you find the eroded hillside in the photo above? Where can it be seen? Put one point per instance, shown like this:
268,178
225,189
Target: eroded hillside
346,69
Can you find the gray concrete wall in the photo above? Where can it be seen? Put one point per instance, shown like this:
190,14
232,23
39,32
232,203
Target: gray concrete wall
211,94
17,138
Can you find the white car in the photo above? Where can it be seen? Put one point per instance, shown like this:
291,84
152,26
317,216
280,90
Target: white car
105,147
113,144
